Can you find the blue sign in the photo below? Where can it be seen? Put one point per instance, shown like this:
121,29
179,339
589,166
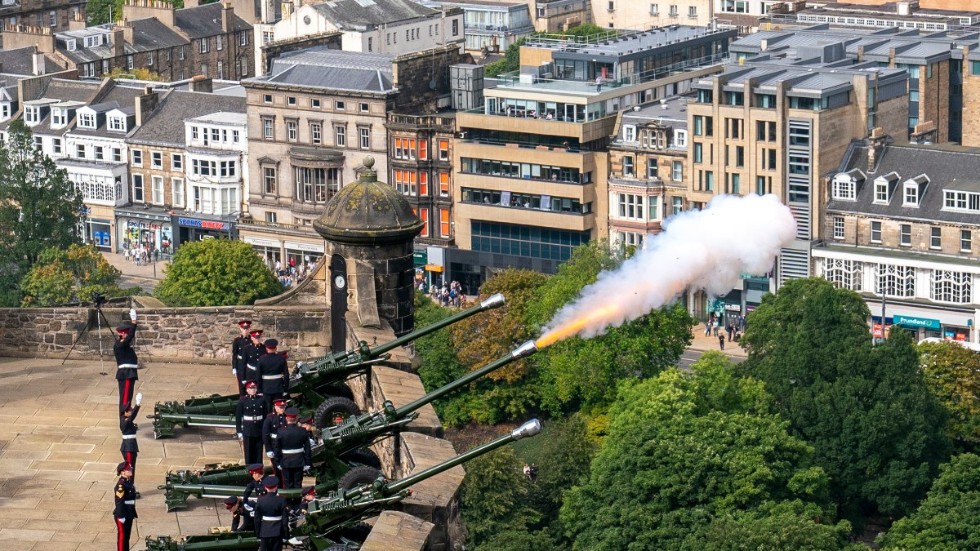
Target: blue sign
909,321
203,224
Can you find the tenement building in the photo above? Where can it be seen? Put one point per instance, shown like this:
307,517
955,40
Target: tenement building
775,124
311,122
531,161
646,170
56,15
901,228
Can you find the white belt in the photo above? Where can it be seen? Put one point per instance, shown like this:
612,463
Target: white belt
239,356
273,435
130,502
271,519
252,367
296,450
271,377
250,498
251,418
128,366
129,437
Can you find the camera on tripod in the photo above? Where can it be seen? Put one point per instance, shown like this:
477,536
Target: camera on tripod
98,299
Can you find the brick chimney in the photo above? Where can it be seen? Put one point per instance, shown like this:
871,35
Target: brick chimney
876,144
118,42
227,17
201,83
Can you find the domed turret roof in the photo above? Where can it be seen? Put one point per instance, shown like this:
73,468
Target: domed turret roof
368,212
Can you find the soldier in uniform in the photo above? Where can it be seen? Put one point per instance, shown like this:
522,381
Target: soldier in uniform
127,424
271,524
241,518
254,350
238,355
270,432
274,373
293,453
125,511
249,416
254,489
126,363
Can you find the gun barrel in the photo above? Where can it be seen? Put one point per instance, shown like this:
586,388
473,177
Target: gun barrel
196,420
527,430
494,301
521,351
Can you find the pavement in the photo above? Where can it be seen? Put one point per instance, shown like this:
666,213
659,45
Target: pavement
59,446
146,276
702,343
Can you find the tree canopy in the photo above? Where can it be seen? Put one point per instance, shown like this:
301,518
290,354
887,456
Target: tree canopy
63,276
216,272
39,209
877,430
953,374
686,452
947,519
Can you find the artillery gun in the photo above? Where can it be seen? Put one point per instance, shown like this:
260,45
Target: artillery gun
328,520
340,458
311,384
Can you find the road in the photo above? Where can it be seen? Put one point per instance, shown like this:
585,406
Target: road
690,356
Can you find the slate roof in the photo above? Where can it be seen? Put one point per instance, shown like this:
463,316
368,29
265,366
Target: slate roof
333,69
165,126
946,168
205,20
121,97
361,14
150,34
21,62
65,90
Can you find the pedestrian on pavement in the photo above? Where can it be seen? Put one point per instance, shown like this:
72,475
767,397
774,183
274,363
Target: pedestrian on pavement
249,416
127,424
125,510
721,341
271,525
731,331
126,362
238,355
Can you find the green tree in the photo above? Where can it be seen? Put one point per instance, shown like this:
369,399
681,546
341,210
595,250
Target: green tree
877,430
682,451
785,525
493,497
953,374
510,62
62,276
216,272
39,209
947,519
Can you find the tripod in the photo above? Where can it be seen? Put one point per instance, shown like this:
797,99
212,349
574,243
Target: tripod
99,317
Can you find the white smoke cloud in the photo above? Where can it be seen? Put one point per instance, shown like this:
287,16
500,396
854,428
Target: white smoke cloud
707,249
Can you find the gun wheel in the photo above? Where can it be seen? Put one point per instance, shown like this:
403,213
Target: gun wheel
357,532
362,456
358,476
339,389
334,411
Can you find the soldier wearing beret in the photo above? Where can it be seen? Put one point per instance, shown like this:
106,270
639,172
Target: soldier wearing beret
271,523
238,355
126,363
125,510
293,453
249,416
274,373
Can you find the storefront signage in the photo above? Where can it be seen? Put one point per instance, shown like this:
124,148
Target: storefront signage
733,307
144,215
308,247
909,321
203,224
420,258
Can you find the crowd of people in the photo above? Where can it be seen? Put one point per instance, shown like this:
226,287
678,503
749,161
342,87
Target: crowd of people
291,272
447,295
719,326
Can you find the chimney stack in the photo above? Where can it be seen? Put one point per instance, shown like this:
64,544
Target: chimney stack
876,143
227,16
118,42
39,64
145,104
201,83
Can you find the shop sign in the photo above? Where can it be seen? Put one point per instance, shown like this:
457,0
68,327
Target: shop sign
420,258
433,268
204,224
909,321
307,247
733,307
876,330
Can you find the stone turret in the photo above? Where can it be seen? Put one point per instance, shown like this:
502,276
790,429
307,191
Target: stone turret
369,229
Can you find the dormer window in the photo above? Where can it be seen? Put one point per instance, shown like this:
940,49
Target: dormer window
70,45
911,195
86,120
843,188
4,110
629,133
680,138
32,115
117,124
881,191
59,117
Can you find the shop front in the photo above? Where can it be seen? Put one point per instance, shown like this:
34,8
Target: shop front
204,227
925,323
269,249
149,229
299,254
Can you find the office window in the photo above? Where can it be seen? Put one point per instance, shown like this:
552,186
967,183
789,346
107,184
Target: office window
443,150
444,224
736,180
340,136
935,237
364,137
905,235
838,227
424,184
177,191
269,180
138,188
423,214
698,152
876,232
443,184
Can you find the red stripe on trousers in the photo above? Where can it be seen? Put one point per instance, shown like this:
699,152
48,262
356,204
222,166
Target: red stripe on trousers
121,529
127,390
